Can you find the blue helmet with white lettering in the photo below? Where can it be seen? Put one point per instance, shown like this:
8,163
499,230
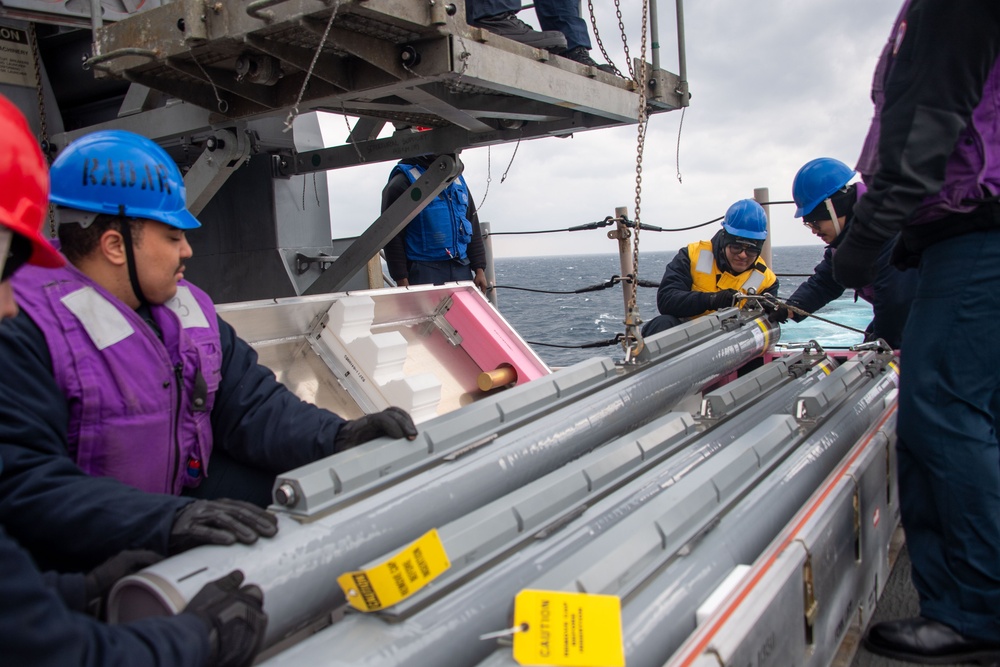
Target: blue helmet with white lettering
121,173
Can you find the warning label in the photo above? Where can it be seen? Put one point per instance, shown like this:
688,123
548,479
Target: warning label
17,66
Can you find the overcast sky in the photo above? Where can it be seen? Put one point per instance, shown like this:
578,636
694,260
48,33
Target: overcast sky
774,84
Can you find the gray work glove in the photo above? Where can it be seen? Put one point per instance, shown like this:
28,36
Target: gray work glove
723,299
219,522
98,582
235,618
392,422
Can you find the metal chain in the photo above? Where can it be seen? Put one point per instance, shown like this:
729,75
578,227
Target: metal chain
315,191
621,27
464,55
678,156
223,105
632,340
43,136
640,145
512,156
43,129
350,132
597,38
489,178
312,66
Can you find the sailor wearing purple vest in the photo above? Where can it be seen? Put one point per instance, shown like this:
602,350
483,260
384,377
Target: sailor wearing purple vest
48,619
126,379
933,156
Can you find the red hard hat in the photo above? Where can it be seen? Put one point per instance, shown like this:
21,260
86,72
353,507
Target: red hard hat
24,185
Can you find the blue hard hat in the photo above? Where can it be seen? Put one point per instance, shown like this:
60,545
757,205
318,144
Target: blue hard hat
817,180
746,219
121,173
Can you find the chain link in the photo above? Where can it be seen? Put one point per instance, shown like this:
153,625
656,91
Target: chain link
457,30
621,27
511,163
640,145
597,38
678,154
632,341
489,177
305,82
221,103
43,129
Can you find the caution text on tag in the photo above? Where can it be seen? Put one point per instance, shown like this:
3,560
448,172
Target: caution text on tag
398,578
571,629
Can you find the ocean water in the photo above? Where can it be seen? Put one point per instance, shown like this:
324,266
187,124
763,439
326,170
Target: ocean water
574,320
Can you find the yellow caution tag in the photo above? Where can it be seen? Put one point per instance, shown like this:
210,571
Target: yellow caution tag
574,629
399,577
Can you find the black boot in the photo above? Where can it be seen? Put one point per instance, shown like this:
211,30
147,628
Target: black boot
581,55
928,642
509,26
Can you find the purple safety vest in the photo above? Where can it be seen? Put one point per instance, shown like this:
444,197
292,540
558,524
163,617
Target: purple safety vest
139,409
973,168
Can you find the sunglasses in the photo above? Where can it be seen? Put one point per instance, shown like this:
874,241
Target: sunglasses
740,248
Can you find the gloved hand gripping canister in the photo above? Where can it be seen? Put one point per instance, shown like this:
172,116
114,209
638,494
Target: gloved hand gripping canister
98,582
220,522
235,618
724,299
392,422
778,314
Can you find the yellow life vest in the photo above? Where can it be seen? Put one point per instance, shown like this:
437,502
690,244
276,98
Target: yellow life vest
706,276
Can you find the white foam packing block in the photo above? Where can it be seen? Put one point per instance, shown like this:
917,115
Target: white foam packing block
380,355
417,394
351,317
713,601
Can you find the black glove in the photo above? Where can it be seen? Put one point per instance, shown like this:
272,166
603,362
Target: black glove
778,314
855,259
393,422
98,582
235,618
723,299
219,522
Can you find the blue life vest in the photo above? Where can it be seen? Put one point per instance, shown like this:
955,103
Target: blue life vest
442,230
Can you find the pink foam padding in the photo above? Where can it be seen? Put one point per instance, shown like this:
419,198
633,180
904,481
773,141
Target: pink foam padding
486,339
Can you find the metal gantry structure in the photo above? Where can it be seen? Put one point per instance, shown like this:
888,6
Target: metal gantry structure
228,88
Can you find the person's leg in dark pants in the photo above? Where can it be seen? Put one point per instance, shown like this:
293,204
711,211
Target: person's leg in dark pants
564,16
437,273
948,453
660,323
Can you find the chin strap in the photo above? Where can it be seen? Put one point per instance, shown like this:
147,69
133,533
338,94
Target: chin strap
133,275
833,216
6,236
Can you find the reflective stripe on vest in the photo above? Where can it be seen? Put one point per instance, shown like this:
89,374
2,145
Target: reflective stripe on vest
754,282
100,319
706,262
